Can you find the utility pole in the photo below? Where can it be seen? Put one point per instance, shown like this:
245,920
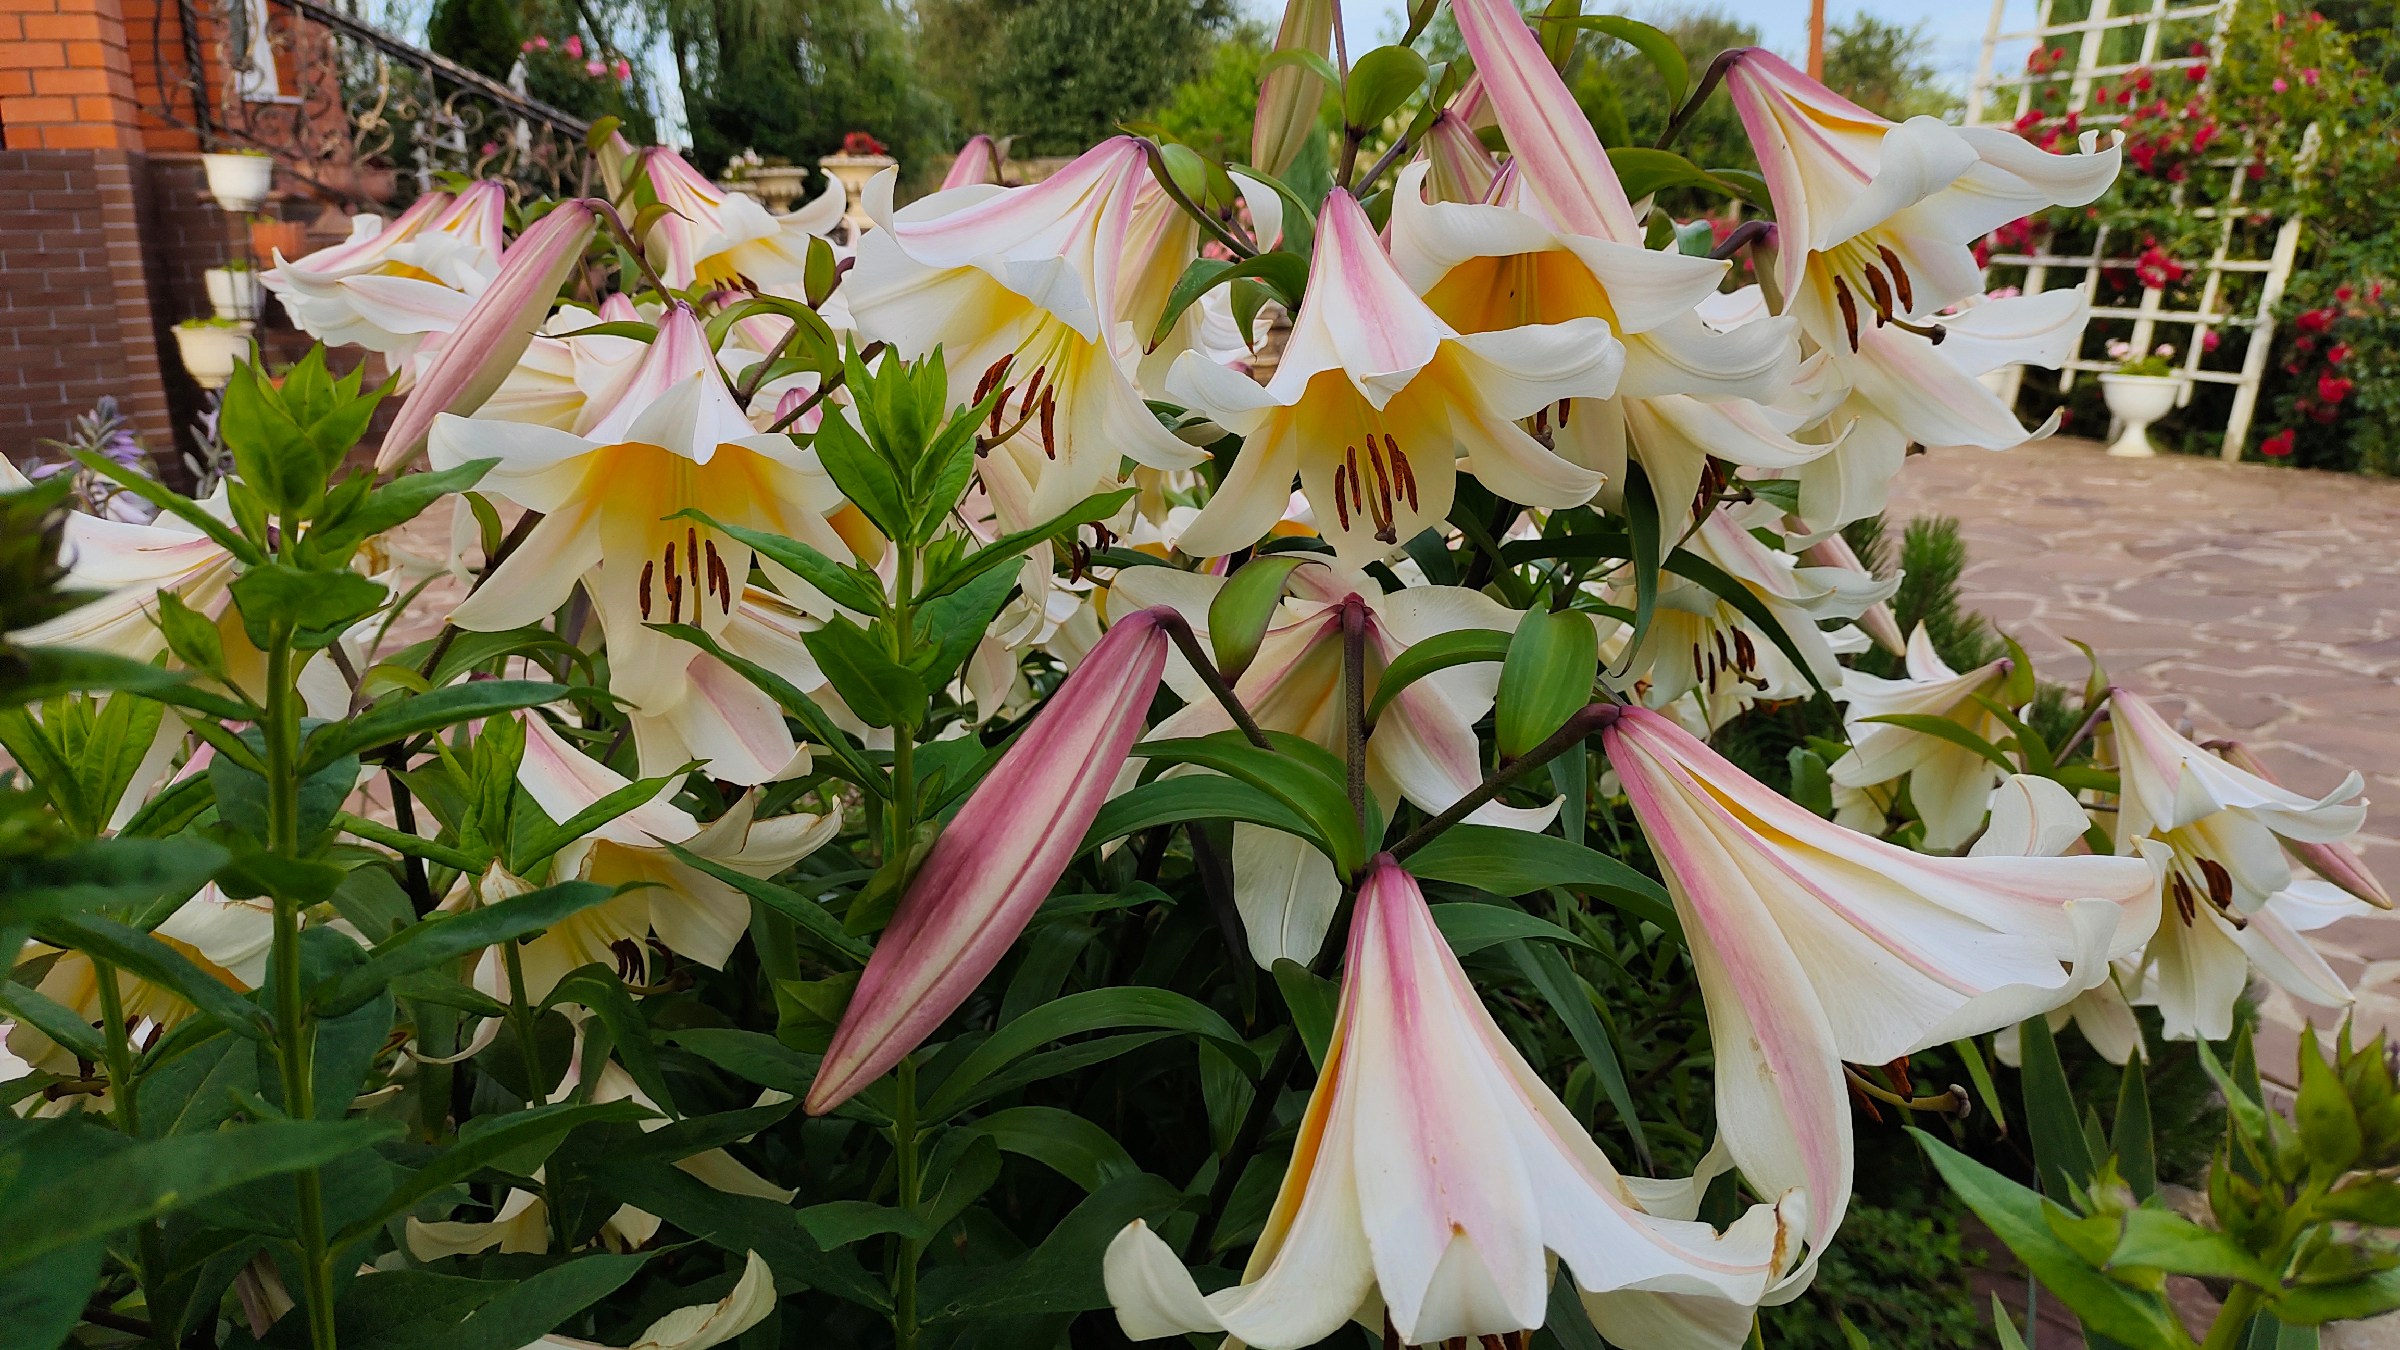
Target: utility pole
1816,39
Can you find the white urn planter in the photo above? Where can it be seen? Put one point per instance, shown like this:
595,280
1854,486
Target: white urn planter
234,292
853,172
2136,401
211,349
239,182
778,185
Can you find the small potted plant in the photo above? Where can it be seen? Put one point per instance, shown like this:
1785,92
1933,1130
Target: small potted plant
861,159
239,179
212,347
234,290
268,236
2139,391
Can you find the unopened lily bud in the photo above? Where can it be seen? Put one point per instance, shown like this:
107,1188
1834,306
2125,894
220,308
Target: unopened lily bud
493,336
1462,169
978,162
997,859
2336,861
1289,96
1877,622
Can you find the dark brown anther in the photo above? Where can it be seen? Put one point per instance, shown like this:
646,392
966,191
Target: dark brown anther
992,375
1402,470
1565,406
2220,883
1541,420
1882,291
1391,1334
720,580
647,569
1455,1343
1491,1342
1049,414
2185,908
1898,1069
691,553
1723,659
1341,503
674,597
1745,652
1699,667
1841,296
1033,392
630,965
1891,263
1517,1340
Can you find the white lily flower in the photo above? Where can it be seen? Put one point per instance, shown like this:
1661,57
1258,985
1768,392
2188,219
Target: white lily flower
1873,223
1950,784
227,939
1422,747
1434,1174
569,381
697,916
1029,290
722,239
673,438
388,288
1816,945
701,1325
2235,903
1376,401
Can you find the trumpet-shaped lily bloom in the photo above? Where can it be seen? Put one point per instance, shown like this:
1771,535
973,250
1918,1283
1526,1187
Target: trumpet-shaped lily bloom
1422,747
1700,644
700,1325
2235,904
570,380
996,860
1433,1173
1288,97
227,939
1376,400
718,238
2036,818
673,438
978,163
1873,221
696,915
1878,622
1816,945
1022,290
1950,784
1459,169
478,356
2334,860
387,288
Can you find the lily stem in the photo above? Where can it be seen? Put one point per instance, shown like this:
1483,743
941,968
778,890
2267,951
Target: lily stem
1354,703
2090,725
1189,643
904,1164
126,1108
1593,717
1246,1137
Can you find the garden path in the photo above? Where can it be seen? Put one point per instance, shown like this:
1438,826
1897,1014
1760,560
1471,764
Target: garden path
2262,603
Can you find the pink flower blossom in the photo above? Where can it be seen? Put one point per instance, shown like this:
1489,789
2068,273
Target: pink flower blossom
2279,86
595,67
575,44
2309,77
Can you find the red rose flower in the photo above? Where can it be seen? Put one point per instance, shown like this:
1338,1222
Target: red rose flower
2277,445
2332,388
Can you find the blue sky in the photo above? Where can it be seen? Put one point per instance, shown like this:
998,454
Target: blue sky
1956,27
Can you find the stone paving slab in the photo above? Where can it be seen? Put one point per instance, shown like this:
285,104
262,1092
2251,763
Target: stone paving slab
2262,603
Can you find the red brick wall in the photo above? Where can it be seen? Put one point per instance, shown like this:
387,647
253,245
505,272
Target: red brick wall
75,321
66,77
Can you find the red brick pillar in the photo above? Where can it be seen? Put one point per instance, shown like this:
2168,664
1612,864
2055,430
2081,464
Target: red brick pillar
66,84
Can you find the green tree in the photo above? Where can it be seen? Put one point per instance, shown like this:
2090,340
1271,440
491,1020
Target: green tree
1886,69
792,77
1058,75
1214,110
482,35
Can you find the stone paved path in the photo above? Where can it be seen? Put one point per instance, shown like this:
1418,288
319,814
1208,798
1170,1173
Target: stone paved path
2262,603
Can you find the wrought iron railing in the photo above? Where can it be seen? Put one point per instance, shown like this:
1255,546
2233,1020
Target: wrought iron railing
350,110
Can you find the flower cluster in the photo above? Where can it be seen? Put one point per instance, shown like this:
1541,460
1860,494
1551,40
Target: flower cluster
865,691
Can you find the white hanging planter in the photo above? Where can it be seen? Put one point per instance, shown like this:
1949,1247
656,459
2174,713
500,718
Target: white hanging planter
211,348
234,292
2136,401
239,182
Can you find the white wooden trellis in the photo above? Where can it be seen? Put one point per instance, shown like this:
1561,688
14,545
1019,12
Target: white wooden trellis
1989,102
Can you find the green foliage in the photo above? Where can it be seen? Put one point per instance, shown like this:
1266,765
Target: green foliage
1886,68
1212,111
1058,75
793,77
482,35
1898,1273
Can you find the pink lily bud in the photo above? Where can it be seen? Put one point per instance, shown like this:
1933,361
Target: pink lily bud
489,341
1462,169
1877,622
2337,862
978,162
1288,96
997,859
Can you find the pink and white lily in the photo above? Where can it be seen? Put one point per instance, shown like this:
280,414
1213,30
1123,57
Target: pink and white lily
1376,401
1950,784
672,438
978,163
696,915
1873,222
1816,945
1433,1177
387,288
2234,902
1022,289
1422,748
227,939
722,239
994,863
